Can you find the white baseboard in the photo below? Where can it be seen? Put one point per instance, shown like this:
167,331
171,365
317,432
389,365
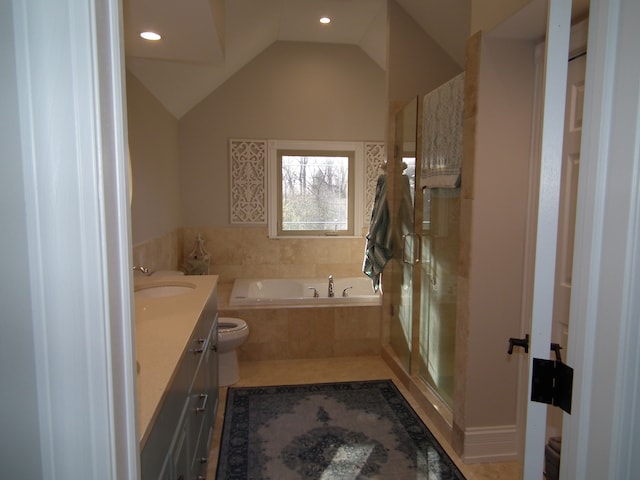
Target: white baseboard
490,444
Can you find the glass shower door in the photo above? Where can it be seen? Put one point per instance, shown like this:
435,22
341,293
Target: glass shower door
438,298
401,331
441,169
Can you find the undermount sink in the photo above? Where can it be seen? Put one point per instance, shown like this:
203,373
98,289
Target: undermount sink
165,290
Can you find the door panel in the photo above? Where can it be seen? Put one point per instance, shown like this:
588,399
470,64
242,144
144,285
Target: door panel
568,195
567,217
552,128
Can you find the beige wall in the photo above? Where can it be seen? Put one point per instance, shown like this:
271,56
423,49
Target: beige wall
153,144
501,189
486,14
301,91
416,64
494,213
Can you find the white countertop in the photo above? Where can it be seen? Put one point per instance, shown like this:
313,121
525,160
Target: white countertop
163,327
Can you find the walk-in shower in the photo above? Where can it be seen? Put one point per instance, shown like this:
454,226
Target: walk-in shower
428,146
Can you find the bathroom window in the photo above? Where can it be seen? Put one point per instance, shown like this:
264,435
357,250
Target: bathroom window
315,188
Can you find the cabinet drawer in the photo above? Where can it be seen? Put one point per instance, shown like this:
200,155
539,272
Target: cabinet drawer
200,408
169,418
199,344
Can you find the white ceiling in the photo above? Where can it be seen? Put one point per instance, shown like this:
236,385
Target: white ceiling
200,49
206,41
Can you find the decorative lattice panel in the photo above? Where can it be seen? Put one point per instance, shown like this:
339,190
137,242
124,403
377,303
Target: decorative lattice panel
375,157
248,181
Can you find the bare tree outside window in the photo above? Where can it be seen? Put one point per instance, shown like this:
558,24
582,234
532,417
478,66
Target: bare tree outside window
315,188
315,192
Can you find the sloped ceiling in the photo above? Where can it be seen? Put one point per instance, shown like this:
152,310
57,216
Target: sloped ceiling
206,41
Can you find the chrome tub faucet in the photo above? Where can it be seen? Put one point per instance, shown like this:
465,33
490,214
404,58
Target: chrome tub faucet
331,292
144,270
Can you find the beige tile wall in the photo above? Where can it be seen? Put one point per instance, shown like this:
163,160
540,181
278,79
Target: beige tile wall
162,253
315,332
248,252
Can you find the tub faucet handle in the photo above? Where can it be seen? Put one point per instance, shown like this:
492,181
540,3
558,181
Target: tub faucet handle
315,292
344,292
331,293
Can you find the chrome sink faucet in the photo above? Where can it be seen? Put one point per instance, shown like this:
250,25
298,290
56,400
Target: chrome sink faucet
331,293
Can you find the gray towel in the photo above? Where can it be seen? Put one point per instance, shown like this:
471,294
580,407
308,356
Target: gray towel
378,250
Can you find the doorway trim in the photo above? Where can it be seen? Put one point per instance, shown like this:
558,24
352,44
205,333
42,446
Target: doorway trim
602,433
577,45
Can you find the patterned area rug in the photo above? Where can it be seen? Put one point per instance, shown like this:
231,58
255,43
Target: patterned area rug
327,431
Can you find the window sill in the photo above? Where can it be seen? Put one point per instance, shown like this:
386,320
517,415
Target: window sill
315,237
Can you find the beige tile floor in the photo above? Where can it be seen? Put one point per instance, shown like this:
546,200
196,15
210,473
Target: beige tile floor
283,372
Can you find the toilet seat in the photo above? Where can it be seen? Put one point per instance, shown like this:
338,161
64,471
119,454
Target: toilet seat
230,324
232,332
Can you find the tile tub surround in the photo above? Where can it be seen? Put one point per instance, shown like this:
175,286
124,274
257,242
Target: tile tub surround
248,252
305,332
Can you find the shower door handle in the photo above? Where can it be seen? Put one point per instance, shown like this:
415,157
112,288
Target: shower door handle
416,241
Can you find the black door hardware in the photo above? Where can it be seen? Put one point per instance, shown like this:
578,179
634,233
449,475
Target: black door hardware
552,380
519,342
552,383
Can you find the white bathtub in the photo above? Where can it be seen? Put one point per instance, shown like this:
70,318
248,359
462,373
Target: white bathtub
300,292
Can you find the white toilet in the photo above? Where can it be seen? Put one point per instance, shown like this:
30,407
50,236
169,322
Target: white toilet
232,332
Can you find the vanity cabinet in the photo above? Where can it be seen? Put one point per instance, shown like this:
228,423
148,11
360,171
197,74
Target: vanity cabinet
202,408
177,447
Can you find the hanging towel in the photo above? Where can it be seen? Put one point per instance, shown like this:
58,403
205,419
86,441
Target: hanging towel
442,135
378,250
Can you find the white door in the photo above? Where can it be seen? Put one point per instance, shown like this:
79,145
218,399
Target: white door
601,438
555,83
567,218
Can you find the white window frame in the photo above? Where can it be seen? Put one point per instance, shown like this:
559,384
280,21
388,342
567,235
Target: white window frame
317,145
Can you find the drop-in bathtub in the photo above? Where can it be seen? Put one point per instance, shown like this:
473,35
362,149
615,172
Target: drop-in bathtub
352,291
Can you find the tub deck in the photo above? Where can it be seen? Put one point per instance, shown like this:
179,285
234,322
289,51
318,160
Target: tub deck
303,292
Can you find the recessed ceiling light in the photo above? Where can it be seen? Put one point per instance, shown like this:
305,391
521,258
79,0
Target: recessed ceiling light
153,36
325,20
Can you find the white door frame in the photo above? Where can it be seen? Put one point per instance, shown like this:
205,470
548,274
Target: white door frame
603,431
69,72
